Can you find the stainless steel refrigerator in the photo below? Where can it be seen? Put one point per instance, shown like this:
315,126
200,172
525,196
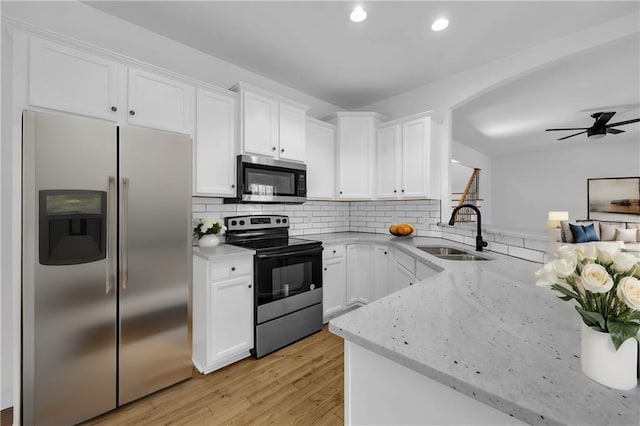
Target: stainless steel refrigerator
106,265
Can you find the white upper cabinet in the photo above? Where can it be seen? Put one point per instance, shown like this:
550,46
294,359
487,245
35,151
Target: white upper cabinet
68,79
259,124
321,159
214,149
408,158
292,132
416,143
356,154
159,102
271,125
388,161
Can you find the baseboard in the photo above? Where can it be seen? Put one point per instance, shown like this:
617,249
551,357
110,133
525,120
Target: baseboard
6,417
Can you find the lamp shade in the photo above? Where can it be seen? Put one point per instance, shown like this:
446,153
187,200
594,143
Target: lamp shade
554,218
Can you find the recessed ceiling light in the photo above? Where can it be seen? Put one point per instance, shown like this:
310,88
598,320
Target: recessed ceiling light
358,14
439,24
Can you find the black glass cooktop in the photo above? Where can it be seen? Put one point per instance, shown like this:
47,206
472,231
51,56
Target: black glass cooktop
270,244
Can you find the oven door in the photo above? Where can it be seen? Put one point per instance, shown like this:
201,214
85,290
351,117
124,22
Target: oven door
287,282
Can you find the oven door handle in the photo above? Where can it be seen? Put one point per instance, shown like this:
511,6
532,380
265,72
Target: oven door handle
315,250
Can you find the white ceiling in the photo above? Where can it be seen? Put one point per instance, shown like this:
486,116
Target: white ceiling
511,119
312,46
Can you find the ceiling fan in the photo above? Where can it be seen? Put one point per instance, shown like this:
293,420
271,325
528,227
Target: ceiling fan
600,126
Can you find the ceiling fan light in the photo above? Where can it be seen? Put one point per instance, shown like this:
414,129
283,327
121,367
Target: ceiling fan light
358,14
596,136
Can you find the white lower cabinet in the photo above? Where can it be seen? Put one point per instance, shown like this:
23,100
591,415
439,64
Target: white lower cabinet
424,271
400,277
402,270
358,273
222,311
380,272
334,286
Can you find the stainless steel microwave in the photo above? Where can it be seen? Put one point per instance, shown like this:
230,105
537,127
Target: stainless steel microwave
265,180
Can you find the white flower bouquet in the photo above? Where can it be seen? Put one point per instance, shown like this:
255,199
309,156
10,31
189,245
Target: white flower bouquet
208,227
604,281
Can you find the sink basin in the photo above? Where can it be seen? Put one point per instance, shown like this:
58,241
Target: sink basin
450,253
465,256
441,251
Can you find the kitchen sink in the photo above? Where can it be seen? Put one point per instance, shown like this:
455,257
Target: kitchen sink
441,251
465,256
450,253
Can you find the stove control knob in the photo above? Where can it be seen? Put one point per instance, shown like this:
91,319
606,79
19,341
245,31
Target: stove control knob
233,222
242,222
284,220
277,220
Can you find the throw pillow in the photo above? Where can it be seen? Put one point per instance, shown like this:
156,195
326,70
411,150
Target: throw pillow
607,232
626,235
635,226
583,234
596,225
565,232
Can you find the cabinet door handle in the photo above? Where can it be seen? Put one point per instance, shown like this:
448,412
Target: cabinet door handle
410,283
395,191
114,109
340,192
233,186
334,252
385,252
249,286
403,190
282,150
273,148
233,268
132,112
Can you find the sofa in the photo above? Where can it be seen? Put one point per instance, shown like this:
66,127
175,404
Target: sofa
625,234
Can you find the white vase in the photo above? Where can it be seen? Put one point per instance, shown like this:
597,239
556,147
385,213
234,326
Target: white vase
603,364
208,240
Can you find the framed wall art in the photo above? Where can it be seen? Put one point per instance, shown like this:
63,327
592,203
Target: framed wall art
613,196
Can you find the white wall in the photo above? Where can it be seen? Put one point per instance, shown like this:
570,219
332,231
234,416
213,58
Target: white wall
526,187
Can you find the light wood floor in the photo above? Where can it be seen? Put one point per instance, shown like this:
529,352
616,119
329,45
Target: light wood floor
301,384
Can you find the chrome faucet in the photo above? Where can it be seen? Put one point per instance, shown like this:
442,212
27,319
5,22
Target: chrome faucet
479,242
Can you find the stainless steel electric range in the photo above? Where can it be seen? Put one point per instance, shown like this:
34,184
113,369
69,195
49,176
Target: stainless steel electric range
287,275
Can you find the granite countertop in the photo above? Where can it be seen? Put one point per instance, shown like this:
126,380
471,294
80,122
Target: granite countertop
486,330
221,251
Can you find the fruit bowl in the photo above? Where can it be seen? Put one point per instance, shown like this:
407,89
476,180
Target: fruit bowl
401,230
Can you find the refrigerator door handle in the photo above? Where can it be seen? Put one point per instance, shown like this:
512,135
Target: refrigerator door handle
124,260
111,217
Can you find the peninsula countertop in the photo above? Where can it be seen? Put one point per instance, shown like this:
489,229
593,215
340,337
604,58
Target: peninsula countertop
486,330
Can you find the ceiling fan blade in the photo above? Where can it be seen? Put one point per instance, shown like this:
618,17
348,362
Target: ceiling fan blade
620,123
614,131
603,118
570,136
571,128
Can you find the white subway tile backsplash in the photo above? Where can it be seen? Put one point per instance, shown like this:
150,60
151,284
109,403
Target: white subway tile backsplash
315,217
527,254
